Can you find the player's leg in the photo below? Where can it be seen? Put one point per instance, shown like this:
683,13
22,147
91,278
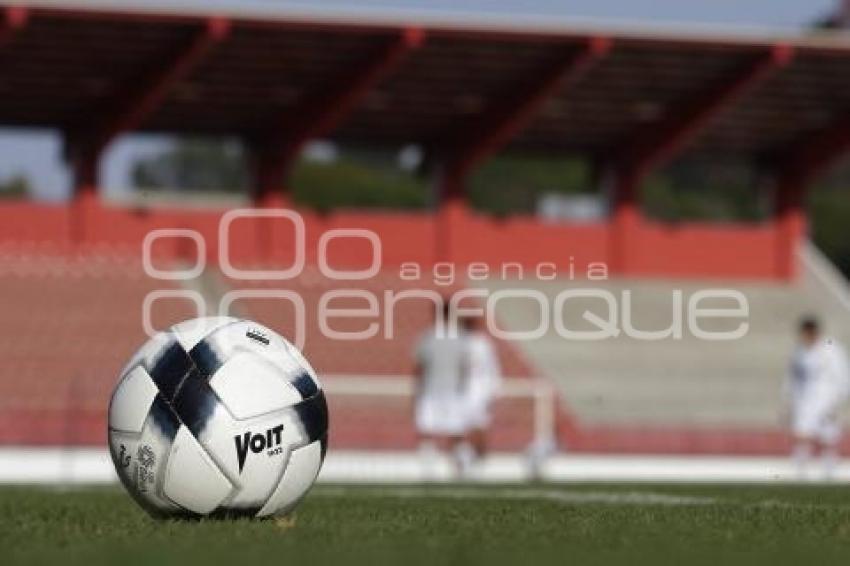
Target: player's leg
478,420
805,429
427,429
828,439
801,456
463,455
478,441
454,425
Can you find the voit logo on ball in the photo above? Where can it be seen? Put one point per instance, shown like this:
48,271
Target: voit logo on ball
270,440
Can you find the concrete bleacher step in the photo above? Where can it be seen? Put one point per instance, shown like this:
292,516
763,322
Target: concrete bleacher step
677,383
380,354
73,319
622,394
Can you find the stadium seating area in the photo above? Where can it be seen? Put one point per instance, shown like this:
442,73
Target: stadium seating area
70,273
686,395
376,421
389,352
70,320
59,371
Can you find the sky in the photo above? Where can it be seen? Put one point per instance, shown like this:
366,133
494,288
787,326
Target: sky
38,154
760,13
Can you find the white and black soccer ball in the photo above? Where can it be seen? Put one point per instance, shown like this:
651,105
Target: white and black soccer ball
218,417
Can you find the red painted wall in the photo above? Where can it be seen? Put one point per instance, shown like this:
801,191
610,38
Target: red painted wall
705,250
528,241
455,234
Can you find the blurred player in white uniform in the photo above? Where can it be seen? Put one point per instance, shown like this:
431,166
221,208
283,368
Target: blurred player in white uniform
484,378
818,386
440,409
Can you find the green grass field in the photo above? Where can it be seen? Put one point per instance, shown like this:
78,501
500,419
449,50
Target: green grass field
575,524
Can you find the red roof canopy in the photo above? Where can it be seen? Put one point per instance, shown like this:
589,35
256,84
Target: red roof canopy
72,68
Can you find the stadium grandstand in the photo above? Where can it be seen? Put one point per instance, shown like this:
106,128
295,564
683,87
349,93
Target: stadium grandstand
627,99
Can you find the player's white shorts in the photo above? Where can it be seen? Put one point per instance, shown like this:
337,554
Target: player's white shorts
477,410
440,417
815,415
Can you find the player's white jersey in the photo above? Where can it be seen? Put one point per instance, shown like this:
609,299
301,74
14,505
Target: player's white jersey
484,378
440,408
819,383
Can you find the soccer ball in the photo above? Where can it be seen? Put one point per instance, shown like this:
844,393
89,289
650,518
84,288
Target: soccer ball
218,417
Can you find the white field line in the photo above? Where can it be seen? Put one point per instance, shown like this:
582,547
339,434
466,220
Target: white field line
560,496
81,466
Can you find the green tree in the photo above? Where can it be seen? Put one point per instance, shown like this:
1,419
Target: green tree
716,190
15,187
357,179
829,217
352,184
512,184
194,164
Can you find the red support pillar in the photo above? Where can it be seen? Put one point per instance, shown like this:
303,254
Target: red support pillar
134,103
496,126
268,174
139,98
320,112
800,165
512,113
84,167
660,141
451,214
790,223
84,205
13,20
626,219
